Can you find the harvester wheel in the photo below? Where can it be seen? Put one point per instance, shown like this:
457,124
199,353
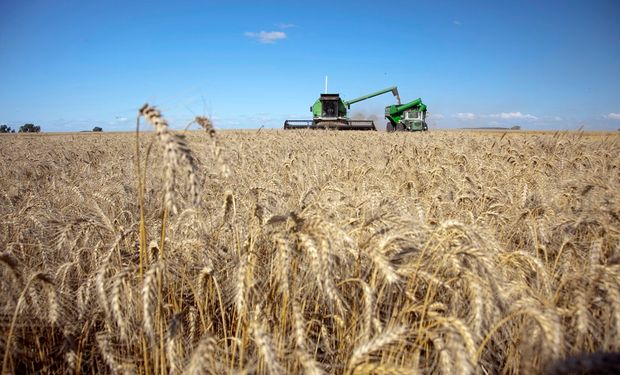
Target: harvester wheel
400,127
389,127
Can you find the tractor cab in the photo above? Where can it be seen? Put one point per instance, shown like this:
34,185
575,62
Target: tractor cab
415,115
414,120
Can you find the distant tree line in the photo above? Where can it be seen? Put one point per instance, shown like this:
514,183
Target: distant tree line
29,128
26,128
6,129
32,128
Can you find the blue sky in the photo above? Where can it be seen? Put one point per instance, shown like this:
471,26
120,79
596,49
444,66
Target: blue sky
72,65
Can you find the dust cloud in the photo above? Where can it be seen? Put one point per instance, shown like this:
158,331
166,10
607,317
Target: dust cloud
365,114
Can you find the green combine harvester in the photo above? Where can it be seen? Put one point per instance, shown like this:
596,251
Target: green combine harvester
329,111
407,117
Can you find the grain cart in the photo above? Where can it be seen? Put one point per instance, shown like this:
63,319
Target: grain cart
407,117
329,111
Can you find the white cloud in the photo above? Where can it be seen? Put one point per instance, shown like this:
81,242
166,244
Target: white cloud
514,116
436,116
286,25
266,37
557,118
120,119
457,23
465,116
612,116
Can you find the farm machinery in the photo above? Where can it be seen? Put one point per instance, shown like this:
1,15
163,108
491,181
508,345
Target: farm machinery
406,117
329,111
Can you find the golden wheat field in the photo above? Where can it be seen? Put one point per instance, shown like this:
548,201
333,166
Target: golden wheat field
272,252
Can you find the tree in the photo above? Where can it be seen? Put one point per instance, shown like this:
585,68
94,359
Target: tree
97,129
29,128
6,129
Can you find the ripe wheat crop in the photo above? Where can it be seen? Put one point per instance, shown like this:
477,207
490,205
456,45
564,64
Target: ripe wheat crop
311,252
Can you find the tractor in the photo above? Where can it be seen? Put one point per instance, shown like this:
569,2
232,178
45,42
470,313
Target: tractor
406,117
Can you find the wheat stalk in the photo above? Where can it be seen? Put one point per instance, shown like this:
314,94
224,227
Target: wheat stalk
177,157
389,336
149,300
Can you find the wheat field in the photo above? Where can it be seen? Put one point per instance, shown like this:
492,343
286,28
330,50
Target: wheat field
272,252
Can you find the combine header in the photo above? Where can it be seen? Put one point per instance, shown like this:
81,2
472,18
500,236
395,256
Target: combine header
330,112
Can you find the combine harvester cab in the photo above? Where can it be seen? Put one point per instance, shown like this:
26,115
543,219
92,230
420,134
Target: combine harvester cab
330,112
